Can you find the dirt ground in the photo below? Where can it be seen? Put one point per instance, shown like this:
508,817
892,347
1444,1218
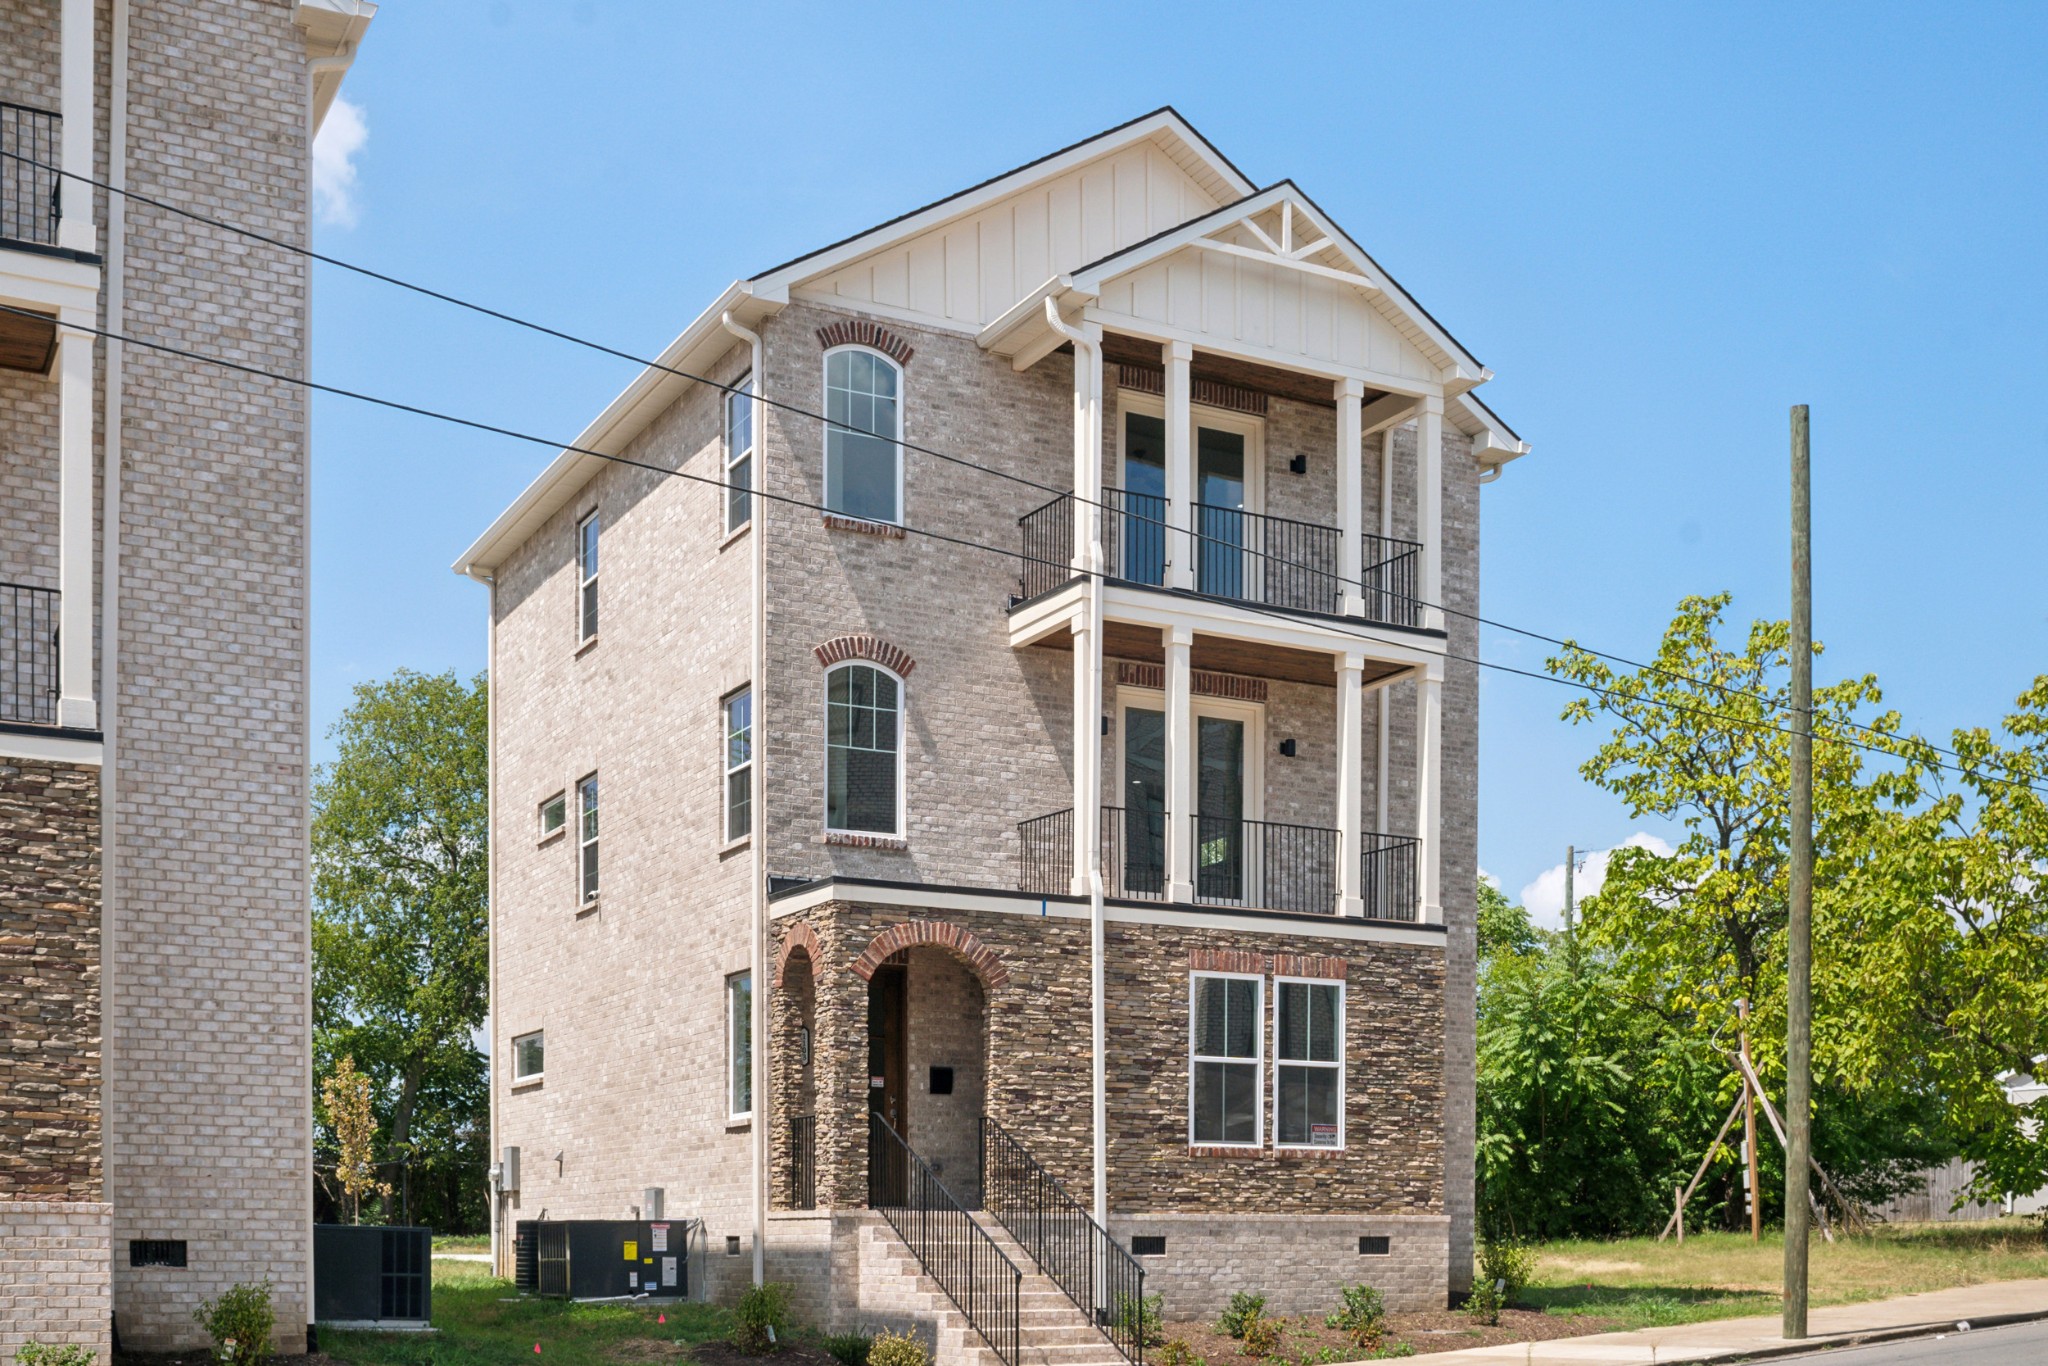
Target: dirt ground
1441,1331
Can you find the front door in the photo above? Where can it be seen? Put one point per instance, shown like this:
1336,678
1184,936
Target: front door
1221,566
1220,843
886,1076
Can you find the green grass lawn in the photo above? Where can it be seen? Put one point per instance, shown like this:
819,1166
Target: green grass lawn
483,1321
1644,1283
462,1242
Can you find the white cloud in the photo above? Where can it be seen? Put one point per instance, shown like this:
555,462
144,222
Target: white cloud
1544,898
342,135
1489,879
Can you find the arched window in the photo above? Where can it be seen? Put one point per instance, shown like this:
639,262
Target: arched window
863,434
863,750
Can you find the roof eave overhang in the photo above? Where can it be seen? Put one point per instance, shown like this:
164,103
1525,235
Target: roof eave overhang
624,418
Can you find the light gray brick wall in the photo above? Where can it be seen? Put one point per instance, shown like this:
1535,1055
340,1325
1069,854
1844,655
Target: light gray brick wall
53,1275
1297,1262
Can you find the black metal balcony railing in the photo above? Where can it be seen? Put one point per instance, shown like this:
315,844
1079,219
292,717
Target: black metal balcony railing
1102,1279
1274,561
1265,864
1133,854
1048,534
803,1162
1388,581
28,191
954,1250
1135,535
1390,885
28,655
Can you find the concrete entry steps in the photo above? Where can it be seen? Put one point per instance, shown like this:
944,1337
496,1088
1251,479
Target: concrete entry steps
1051,1331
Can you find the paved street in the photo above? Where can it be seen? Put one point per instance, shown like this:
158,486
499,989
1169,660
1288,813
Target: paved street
2022,1342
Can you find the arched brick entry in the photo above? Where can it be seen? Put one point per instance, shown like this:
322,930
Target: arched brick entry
911,933
799,936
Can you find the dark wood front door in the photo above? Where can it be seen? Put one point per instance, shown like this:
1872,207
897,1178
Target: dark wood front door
886,1079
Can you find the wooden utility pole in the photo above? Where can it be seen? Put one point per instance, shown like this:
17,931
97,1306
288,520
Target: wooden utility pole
1756,1204
1571,942
1799,927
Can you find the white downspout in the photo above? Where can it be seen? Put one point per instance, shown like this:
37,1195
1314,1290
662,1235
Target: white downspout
1379,782
758,793
1088,823
110,569
499,1196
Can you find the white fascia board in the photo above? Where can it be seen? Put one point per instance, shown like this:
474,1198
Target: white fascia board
624,418
331,31
1494,443
57,747
47,284
775,285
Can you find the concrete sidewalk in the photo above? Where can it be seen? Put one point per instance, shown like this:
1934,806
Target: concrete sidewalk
1737,1339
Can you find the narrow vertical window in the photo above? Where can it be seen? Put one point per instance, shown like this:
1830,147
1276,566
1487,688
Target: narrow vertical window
863,435
739,764
1308,1073
739,454
586,805
739,1032
586,577
863,751
1223,1088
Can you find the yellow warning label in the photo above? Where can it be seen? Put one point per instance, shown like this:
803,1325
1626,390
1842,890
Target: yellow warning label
632,1250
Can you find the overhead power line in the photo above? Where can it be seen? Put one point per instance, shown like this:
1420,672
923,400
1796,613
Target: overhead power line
797,410
928,533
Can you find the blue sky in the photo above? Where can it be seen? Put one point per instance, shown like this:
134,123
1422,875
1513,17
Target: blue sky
1659,225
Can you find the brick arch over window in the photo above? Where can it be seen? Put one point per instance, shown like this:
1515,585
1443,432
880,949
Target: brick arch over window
799,937
858,332
874,649
912,933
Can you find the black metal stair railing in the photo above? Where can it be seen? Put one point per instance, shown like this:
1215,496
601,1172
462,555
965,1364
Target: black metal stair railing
1047,533
1390,883
954,1250
1077,1254
1387,581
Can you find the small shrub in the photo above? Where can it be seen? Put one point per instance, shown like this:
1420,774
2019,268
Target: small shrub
1399,1349
849,1349
1243,1309
1261,1337
1177,1352
1484,1306
1509,1261
898,1349
1361,1315
1143,1317
761,1318
33,1353
239,1322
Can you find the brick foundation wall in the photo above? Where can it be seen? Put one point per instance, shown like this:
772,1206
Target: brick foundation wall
1297,1261
53,1274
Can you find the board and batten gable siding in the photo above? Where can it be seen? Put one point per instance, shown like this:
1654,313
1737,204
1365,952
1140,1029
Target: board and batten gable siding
970,271
630,993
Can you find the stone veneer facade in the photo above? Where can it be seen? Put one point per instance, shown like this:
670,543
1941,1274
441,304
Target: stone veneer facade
168,984
630,992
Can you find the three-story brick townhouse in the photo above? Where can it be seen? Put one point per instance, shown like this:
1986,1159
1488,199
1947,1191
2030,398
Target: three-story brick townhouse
988,791
155,1052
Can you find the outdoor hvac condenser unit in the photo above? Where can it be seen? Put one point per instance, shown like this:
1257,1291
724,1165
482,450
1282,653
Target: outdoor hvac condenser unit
364,1273
603,1259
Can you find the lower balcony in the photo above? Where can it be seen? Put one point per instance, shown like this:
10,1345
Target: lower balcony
28,655
1241,864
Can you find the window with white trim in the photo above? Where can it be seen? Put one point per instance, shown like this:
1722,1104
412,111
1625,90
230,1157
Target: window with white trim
1308,1063
586,836
863,434
739,1034
863,750
554,814
586,579
528,1055
739,454
739,764
1225,1012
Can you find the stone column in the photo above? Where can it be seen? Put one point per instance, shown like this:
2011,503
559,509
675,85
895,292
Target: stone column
1180,765
1350,784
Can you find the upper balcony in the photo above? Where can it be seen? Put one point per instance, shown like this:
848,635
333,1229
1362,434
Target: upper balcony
30,203
28,655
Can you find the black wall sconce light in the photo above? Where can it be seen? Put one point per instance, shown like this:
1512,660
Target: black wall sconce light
1287,749
1299,464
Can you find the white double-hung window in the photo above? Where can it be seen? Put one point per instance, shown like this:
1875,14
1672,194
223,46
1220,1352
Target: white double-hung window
863,434
1224,1082
1308,1063
586,836
739,764
739,454
586,579
739,1034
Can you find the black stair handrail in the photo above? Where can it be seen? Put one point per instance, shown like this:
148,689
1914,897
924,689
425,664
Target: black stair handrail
955,1251
1104,1281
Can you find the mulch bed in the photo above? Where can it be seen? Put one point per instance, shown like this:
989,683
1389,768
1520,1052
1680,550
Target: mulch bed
1443,1330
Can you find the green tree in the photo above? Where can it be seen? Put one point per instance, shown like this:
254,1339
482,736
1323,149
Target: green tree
400,926
1503,924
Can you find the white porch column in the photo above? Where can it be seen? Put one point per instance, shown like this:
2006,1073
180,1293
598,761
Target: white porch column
1087,445
1429,793
74,99
1429,507
1180,466
1350,783
75,707
1087,626
1350,394
1180,765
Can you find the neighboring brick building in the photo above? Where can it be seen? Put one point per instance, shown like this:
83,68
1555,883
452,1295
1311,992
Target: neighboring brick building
838,755
155,1072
